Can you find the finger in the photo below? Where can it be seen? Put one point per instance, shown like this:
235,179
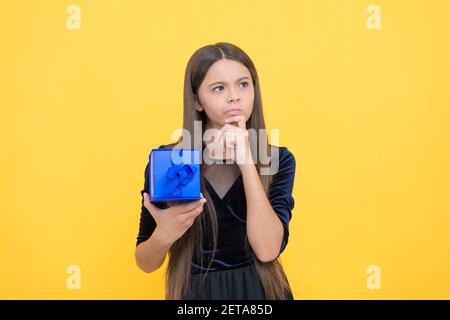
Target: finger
150,206
233,131
189,206
219,136
242,124
235,136
239,119
215,139
212,135
230,137
226,134
235,118
216,148
194,212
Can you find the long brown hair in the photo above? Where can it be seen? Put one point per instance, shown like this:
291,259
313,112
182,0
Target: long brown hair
271,274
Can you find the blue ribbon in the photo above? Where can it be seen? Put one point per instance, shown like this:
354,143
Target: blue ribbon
179,175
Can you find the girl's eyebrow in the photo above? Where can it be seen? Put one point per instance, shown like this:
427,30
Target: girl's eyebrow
220,82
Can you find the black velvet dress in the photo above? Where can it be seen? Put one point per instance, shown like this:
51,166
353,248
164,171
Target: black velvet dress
232,273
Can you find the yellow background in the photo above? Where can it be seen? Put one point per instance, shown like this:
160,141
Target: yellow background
365,112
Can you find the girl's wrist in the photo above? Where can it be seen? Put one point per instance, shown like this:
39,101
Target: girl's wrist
247,168
247,160
161,238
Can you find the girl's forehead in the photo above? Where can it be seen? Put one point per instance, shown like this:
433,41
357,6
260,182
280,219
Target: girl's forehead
227,69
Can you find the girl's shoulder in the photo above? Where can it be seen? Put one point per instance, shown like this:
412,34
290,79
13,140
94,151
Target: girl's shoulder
281,154
282,161
170,145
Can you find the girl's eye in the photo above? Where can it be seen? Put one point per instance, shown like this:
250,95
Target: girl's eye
214,89
221,87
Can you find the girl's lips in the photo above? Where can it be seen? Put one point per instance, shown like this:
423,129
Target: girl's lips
233,111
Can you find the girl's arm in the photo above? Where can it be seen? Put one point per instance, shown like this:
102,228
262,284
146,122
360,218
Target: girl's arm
264,228
150,254
171,223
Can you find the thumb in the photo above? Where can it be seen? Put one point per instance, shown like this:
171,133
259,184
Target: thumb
154,210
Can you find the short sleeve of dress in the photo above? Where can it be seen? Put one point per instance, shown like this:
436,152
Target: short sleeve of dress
280,191
147,223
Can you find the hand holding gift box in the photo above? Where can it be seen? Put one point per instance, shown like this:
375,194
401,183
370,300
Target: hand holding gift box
174,174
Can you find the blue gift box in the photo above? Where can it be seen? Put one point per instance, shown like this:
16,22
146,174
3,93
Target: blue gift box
174,174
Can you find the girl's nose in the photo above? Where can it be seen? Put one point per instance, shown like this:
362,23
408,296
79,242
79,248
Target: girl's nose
234,94
233,97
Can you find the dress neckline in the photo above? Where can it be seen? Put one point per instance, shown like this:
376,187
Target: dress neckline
228,191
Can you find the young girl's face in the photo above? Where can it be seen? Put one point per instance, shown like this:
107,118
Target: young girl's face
227,90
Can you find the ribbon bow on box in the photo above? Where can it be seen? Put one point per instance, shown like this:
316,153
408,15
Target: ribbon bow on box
174,177
178,175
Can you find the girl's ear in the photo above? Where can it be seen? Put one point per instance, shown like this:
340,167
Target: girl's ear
198,106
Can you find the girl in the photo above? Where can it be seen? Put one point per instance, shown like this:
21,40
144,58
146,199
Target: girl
228,248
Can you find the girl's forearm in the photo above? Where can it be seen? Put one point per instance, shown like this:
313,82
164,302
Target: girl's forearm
264,228
150,254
